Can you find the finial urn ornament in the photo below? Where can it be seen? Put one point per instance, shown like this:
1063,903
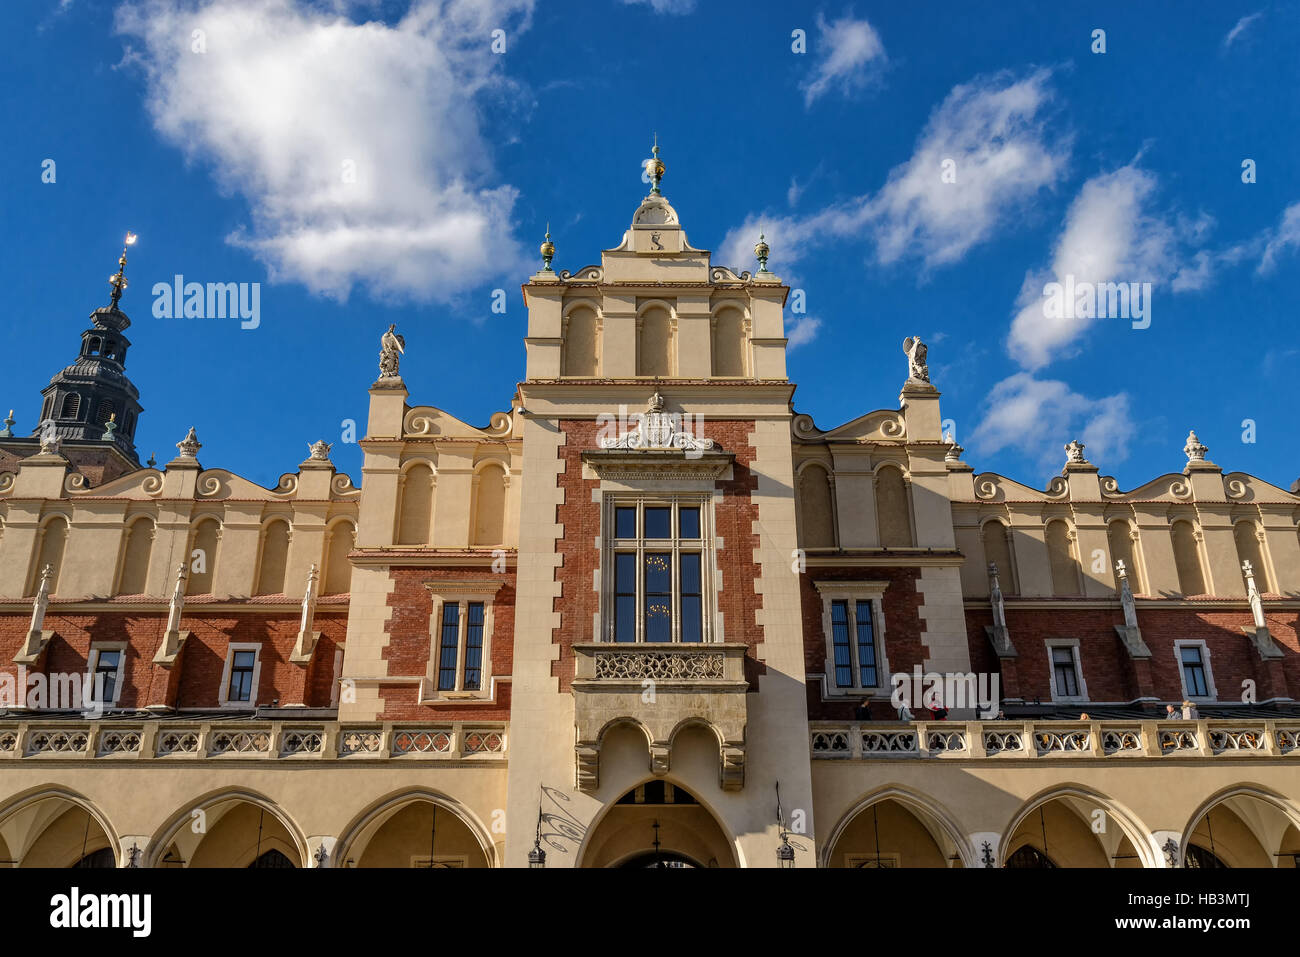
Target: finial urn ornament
548,250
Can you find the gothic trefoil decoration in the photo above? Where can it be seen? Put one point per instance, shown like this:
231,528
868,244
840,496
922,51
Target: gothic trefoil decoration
657,429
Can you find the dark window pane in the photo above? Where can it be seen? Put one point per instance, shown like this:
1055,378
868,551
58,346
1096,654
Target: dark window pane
866,645
625,597
625,522
840,644
474,646
658,596
688,520
447,654
658,523
1192,656
692,599
244,659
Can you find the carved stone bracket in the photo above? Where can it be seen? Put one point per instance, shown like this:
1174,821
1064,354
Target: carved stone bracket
1131,635
1000,638
1263,641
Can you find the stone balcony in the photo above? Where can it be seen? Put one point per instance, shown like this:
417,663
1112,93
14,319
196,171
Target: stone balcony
1054,740
660,688
171,740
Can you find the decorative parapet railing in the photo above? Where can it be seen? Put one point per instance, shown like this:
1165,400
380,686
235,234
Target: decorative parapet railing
172,740
1052,740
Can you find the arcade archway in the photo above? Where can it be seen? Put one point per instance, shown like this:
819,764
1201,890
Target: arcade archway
893,829
55,829
1073,828
418,829
657,824
1243,828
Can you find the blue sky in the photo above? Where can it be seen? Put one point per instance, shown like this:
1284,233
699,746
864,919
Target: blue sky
229,162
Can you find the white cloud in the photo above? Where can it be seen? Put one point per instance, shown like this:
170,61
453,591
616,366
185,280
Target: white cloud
1242,24
993,128
286,95
1038,416
801,332
1109,235
672,7
1285,237
853,55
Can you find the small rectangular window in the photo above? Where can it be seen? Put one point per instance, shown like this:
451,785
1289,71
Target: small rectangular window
241,676
106,665
688,522
450,640
658,523
625,596
1194,672
625,523
840,642
474,646
1067,679
866,644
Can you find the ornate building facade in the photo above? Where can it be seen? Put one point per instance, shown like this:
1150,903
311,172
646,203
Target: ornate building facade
650,615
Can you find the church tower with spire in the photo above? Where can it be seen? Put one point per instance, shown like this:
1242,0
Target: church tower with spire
90,407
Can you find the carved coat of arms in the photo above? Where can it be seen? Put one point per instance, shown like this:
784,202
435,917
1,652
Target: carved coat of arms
657,429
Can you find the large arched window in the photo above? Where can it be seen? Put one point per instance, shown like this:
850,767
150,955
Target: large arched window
997,551
892,510
338,570
490,506
275,558
581,343
654,342
54,536
729,343
1119,535
1250,549
1060,550
1187,558
816,508
203,557
135,557
416,519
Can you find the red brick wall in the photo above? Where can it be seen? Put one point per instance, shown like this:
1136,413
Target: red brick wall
411,644
203,655
1110,672
904,630
734,517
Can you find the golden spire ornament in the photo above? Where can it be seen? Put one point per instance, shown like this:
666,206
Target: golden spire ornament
118,280
548,249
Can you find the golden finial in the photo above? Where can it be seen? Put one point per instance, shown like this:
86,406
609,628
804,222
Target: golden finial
655,167
548,249
118,280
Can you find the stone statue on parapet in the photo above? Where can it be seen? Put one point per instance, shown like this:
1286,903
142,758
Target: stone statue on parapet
917,369
392,347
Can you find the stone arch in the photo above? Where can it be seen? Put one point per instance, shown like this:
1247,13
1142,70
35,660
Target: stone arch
234,829
1254,814
134,576
691,831
54,827
581,340
655,340
489,511
365,834
932,818
996,537
53,540
1072,830
415,509
1119,537
274,557
1187,558
816,506
893,507
1246,534
206,539
340,539
730,344
1060,552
